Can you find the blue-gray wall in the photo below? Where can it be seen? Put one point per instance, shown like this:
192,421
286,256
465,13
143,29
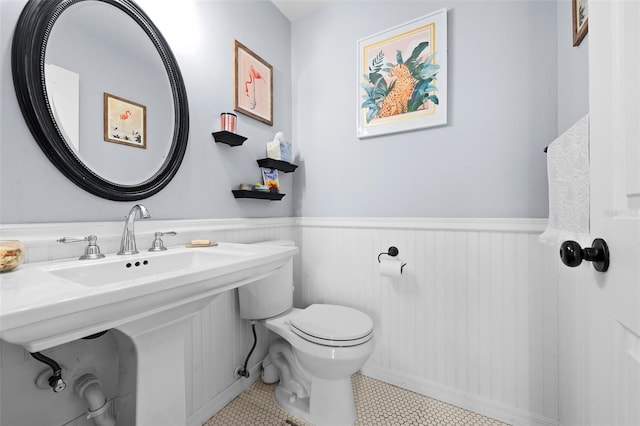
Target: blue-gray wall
487,162
515,83
573,71
201,35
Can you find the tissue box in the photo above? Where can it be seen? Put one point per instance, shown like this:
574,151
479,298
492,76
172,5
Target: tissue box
273,150
279,149
285,152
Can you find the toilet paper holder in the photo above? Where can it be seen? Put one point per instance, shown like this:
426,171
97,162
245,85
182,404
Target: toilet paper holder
393,252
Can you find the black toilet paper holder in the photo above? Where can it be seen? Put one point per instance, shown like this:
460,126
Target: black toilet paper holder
393,252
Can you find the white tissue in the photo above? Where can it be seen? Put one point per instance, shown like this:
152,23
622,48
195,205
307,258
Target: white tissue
391,268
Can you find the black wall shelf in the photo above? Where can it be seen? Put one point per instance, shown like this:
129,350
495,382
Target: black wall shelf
270,163
234,139
231,139
260,195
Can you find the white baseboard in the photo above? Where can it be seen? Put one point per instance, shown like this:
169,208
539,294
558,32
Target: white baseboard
451,396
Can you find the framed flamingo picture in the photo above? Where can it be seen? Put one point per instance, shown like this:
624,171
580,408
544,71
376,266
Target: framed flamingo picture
253,83
125,122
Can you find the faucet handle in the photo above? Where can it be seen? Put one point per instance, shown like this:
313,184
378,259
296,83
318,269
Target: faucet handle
158,244
92,251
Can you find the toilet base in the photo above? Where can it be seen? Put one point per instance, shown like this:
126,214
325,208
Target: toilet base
331,402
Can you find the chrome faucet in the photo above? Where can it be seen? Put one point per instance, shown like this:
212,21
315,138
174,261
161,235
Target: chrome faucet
128,243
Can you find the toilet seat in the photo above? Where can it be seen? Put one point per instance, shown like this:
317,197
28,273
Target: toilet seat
332,325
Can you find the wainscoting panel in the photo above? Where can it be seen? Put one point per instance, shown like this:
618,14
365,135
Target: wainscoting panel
473,319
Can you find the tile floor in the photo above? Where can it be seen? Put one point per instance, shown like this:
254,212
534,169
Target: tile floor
378,404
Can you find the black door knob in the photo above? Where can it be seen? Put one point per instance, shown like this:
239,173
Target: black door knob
572,254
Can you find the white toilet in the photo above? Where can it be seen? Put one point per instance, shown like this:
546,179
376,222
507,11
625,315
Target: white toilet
319,348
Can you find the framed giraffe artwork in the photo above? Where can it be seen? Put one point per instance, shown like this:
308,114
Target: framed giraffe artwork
125,121
402,77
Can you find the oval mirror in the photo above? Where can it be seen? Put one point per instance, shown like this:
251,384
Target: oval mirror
102,94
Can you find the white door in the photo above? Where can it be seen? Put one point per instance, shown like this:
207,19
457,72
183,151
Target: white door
614,105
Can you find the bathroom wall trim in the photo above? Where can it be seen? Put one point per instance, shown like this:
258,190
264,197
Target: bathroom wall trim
513,225
41,243
41,231
470,402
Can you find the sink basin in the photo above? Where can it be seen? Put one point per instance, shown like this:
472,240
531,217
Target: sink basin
130,271
50,303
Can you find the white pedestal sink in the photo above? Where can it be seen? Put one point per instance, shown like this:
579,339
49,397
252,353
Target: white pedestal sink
160,376
150,297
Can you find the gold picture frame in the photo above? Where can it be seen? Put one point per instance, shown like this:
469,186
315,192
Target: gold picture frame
390,98
125,121
253,84
580,20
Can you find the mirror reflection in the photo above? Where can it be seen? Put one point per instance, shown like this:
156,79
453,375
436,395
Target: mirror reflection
109,92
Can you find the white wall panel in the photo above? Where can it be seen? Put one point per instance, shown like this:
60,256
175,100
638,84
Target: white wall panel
473,319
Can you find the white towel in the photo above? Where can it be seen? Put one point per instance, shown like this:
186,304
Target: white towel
568,170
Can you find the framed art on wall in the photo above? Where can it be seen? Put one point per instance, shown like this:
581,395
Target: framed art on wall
402,77
125,122
253,84
580,18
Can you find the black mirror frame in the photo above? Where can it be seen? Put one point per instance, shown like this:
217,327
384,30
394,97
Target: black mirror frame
27,61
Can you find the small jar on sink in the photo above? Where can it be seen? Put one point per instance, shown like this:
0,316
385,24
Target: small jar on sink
11,254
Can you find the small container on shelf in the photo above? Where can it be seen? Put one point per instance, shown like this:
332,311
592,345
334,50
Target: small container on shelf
260,187
228,121
227,133
11,254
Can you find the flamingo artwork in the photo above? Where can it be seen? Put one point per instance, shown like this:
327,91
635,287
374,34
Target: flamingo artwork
254,76
125,116
125,121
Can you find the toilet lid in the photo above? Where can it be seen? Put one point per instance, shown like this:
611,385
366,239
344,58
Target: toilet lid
332,325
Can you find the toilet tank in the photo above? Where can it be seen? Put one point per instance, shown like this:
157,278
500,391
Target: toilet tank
269,296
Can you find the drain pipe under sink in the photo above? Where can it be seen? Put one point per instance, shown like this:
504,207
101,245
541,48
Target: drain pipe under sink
89,388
